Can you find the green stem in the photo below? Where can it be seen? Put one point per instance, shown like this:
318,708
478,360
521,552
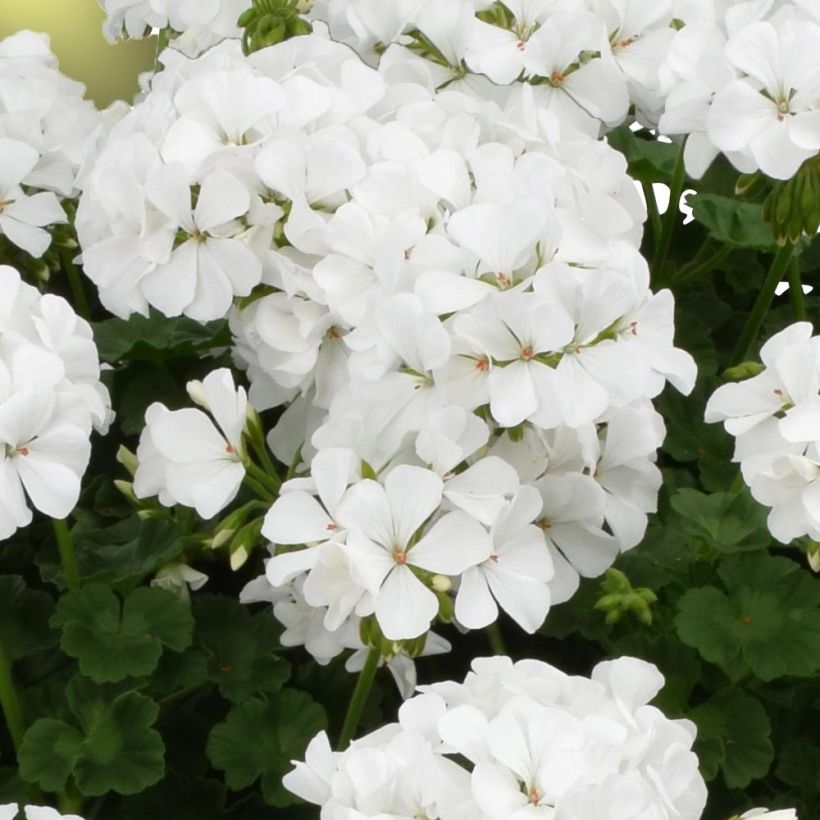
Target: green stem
10,702
263,492
652,210
357,702
75,282
496,639
796,296
261,450
761,305
671,216
687,273
260,476
68,556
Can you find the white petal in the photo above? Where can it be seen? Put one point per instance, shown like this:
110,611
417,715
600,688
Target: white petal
475,607
454,543
413,494
297,518
404,606
222,198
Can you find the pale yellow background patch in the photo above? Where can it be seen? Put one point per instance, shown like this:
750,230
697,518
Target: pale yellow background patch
75,27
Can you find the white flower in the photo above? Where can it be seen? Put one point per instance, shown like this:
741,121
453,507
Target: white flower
187,459
516,574
23,217
211,266
772,112
382,523
538,744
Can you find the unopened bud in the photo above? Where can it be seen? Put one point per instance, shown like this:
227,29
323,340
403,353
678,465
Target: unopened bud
196,393
441,583
238,558
813,557
127,489
221,538
127,459
304,6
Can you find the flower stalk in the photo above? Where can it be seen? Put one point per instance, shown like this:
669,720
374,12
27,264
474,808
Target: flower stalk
359,699
68,555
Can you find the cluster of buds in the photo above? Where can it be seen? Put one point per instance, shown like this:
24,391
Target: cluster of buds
792,207
268,22
621,597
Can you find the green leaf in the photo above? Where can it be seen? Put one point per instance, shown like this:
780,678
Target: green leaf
115,750
261,737
48,753
728,522
121,751
732,221
122,554
24,616
705,621
799,765
241,648
768,618
733,735
649,160
114,641
156,338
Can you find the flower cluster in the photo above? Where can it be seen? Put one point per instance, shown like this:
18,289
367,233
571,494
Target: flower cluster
775,419
8,811
46,132
445,295
516,741
50,397
197,25
743,82
737,78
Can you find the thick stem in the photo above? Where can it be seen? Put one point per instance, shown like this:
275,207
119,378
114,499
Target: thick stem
75,282
258,489
359,699
261,450
671,216
796,296
652,210
762,303
496,639
261,477
68,556
10,702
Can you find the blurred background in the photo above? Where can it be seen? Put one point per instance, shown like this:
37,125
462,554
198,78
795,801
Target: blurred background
75,27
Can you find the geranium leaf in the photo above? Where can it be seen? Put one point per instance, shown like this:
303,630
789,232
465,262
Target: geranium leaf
732,221
121,751
768,617
114,640
115,748
649,160
261,736
728,522
241,648
48,753
737,725
155,338
24,616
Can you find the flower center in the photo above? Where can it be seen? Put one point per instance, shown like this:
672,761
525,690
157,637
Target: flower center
399,555
544,523
482,364
527,352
